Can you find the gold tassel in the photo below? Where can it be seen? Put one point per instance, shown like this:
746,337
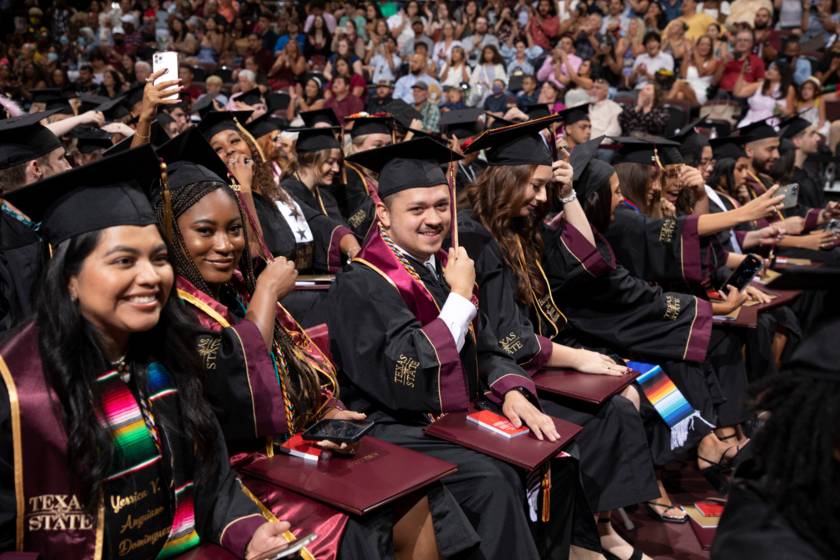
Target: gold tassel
546,492
450,179
168,219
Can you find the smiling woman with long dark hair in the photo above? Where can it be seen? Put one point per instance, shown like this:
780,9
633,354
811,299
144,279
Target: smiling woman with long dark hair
102,419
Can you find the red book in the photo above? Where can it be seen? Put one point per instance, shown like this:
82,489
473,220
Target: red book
299,447
710,508
524,452
594,389
705,536
377,474
496,423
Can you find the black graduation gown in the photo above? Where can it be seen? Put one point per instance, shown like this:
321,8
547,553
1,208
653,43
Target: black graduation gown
22,258
615,461
752,528
218,500
389,369
324,202
605,305
359,210
758,341
811,193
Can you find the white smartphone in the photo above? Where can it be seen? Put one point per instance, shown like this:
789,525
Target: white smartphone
168,60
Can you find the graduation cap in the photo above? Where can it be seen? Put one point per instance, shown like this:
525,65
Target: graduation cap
363,124
251,97
590,173
326,115
516,144
759,130
112,109
686,132
90,101
54,100
24,138
133,96
164,119
538,110
278,101
463,123
91,138
103,194
407,165
650,150
402,112
691,142
316,139
578,113
191,146
793,126
217,121
807,278
204,105
728,147
266,124
157,137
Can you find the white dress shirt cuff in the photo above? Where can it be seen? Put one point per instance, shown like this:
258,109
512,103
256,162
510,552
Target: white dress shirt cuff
456,314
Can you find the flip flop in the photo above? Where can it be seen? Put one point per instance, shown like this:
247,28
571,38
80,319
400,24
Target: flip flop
649,506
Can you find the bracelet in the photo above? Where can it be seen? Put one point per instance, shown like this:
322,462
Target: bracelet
571,197
142,136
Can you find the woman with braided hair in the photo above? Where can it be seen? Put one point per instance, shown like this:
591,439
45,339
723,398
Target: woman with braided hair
785,500
266,379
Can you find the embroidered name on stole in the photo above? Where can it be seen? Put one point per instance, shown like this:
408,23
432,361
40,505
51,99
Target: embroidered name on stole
666,232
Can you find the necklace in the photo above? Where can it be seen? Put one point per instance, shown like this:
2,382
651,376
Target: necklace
121,367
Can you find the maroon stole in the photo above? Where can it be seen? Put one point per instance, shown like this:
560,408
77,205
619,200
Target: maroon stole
379,257
50,516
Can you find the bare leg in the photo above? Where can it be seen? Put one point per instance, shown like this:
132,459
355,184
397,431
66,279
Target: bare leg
611,541
414,533
632,394
668,508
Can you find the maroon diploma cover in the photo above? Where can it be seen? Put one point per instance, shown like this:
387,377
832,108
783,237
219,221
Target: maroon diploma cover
377,474
594,389
526,452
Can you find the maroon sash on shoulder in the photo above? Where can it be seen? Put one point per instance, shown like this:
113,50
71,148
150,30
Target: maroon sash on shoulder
50,513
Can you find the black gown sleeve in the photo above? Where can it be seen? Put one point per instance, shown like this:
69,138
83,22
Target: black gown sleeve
665,251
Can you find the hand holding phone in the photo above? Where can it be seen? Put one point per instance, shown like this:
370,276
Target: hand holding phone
744,274
167,60
291,550
791,194
338,431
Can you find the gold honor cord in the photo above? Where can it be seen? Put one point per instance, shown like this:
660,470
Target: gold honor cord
541,303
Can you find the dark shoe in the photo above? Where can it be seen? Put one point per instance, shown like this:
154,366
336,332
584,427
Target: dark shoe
649,506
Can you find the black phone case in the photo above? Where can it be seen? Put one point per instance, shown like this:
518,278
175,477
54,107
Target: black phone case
312,434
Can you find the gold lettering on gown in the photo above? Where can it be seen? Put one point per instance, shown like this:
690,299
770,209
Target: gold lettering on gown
357,218
511,344
129,545
57,512
405,371
666,232
118,502
208,348
672,307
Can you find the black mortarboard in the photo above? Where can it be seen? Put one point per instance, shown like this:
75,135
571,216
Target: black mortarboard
277,101
364,124
686,132
590,173
24,138
402,112
463,123
792,126
407,165
316,139
728,147
647,150
54,100
103,194
262,126
157,137
191,146
91,138
112,109
516,144
89,101
691,142
251,97
133,96
807,278
204,105
217,121
538,110
163,118
759,130
326,115
578,113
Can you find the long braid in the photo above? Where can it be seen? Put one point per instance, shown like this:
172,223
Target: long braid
796,451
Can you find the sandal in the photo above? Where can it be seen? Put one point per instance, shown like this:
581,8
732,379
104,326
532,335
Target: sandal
717,473
636,555
650,507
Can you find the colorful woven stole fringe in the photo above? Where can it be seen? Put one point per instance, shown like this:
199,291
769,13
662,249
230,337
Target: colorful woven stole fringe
668,401
138,444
